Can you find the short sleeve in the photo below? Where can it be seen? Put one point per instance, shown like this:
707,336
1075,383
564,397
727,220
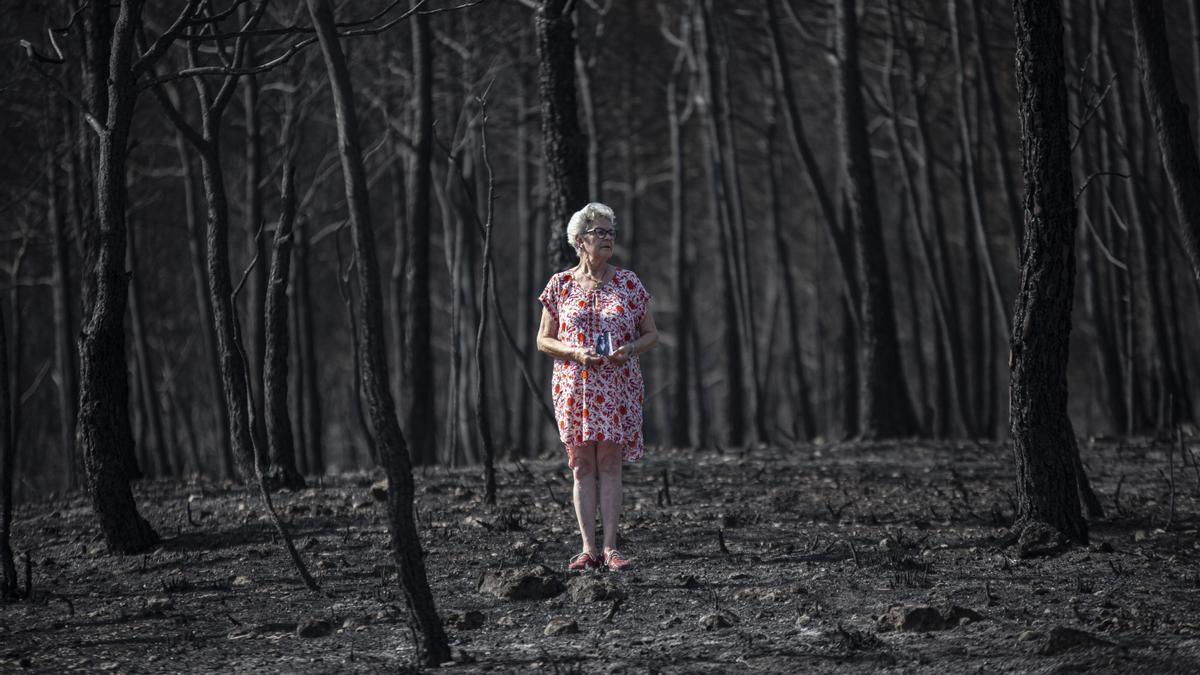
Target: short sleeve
549,296
639,298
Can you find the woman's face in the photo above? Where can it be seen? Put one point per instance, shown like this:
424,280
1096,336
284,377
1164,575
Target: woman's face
598,240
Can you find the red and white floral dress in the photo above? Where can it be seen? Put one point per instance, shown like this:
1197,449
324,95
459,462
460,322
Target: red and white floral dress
602,402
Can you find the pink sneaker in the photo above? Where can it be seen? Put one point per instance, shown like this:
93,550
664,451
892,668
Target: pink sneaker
582,562
615,561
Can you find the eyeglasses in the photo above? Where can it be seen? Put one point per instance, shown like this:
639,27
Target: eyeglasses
602,232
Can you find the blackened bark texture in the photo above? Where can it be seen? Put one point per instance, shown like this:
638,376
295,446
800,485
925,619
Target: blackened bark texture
885,406
220,292
280,442
64,327
1170,121
398,175
563,141
258,285
418,386
103,429
206,325
1044,445
310,392
482,420
526,256
8,450
680,416
432,648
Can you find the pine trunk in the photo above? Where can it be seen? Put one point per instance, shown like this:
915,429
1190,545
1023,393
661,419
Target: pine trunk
105,438
1044,444
406,545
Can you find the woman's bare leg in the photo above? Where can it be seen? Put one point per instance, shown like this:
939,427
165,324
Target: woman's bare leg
608,458
584,471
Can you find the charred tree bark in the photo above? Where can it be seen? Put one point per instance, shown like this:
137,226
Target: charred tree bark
309,403
885,406
418,385
523,439
68,391
680,419
8,452
563,141
207,326
406,545
280,442
103,425
258,287
234,366
1170,121
482,419
1044,444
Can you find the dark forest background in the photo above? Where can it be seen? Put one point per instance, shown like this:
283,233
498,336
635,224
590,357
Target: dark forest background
698,119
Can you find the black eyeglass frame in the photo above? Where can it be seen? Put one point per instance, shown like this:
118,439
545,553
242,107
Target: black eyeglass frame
611,233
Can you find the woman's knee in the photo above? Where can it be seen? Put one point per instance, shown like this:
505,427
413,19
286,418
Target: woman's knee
608,457
583,460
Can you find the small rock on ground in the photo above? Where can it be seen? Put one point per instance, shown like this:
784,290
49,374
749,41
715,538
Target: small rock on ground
716,621
1063,639
314,628
593,589
561,626
914,618
529,583
379,490
1039,539
468,620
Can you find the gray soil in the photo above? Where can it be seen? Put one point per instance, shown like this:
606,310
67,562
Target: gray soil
838,558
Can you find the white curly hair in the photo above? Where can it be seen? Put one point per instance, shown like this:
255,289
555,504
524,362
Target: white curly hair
584,217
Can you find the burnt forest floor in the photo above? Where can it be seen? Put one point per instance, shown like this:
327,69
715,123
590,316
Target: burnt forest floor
846,558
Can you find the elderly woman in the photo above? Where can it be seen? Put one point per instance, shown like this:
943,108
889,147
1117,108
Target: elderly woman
596,320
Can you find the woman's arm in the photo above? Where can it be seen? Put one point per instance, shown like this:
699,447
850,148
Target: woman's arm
644,343
548,343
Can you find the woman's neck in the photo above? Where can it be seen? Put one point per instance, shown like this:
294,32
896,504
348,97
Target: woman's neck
593,268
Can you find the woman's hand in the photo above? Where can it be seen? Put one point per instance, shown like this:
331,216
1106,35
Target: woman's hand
623,354
588,357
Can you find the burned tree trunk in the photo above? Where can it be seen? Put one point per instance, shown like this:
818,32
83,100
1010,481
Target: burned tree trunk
258,285
68,394
206,325
309,403
885,406
1170,121
1044,444
406,545
482,419
280,442
418,384
563,141
8,450
103,424
680,420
